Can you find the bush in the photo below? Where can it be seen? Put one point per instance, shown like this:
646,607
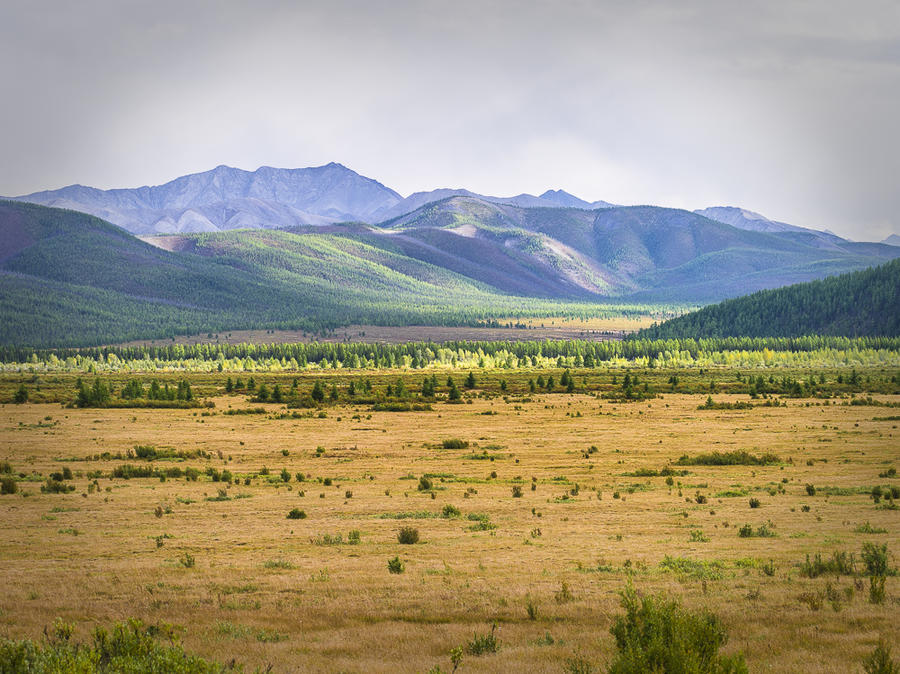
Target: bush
736,458
876,590
425,484
52,486
128,647
395,565
841,564
531,608
296,514
754,503
8,485
875,557
455,443
880,661
656,634
517,491
484,643
408,535
450,511
811,490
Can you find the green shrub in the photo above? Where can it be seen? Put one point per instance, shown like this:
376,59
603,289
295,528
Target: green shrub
425,484
531,608
880,661
8,485
754,503
657,634
454,443
450,511
841,563
52,486
875,557
296,514
484,643
128,647
736,458
408,535
876,590
395,565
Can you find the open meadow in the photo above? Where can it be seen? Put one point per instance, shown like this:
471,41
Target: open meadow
268,535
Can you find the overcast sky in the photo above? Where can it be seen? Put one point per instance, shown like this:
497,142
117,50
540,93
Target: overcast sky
789,108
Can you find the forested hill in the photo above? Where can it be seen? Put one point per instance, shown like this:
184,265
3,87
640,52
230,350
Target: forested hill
70,279
862,303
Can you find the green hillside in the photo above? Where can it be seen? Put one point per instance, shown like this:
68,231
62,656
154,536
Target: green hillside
70,279
862,303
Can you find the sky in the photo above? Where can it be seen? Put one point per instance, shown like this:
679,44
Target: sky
789,108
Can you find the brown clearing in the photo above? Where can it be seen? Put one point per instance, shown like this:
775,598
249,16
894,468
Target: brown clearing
594,329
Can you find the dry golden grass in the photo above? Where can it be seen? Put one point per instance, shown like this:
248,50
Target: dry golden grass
337,608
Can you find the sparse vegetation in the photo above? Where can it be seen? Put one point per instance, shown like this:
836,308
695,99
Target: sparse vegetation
201,475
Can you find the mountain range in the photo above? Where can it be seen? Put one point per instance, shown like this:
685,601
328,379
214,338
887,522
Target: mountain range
322,247
274,198
268,198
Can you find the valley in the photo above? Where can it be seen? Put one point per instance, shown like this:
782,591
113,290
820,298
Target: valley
533,511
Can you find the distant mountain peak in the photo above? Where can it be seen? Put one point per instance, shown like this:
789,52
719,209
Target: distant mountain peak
565,199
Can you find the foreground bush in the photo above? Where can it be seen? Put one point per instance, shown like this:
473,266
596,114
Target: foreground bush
129,648
658,635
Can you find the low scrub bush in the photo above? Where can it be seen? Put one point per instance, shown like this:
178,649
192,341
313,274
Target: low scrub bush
395,565
735,458
762,531
880,660
657,635
484,643
128,647
875,559
408,535
52,486
841,563
8,485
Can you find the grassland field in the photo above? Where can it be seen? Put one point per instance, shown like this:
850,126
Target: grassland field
555,509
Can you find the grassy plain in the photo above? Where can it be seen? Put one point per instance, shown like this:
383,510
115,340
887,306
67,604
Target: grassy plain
264,589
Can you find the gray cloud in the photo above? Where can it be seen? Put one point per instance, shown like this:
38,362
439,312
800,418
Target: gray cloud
785,108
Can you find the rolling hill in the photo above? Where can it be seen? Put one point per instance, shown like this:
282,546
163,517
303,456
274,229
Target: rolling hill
454,261
67,278
862,303
642,253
